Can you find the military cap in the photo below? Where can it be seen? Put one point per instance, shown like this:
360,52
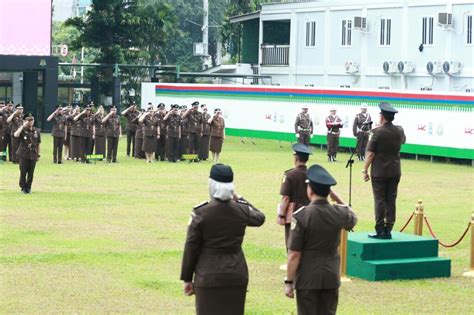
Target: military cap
217,110
113,107
304,107
299,148
28,116
333,109
18,106
387,108
88,107
149,107
202,105
184,107
318,175
161,106
10,103
363,105
196,103
174,106
222,173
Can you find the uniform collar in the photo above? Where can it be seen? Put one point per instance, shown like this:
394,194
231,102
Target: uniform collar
320,202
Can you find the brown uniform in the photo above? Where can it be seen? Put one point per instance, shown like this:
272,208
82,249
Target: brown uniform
7,137
160,153
183,141
174,132
304,127
86,131
28,153
213,254
112,130
361,129
333,123
217,134
76,138
100,135
150,132
194,131
3,121
59,133
315,232
206,137
16,123
139,154
131,127
385,172
294,186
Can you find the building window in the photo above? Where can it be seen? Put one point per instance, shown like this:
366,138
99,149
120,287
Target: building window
469,30
385,32
310,34
427,31
346,39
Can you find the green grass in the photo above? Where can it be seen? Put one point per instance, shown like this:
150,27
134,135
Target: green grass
108,237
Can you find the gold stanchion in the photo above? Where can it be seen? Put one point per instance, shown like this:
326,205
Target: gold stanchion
470,273
343,253
419,215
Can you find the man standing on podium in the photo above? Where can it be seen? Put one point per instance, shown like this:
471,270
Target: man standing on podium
383,157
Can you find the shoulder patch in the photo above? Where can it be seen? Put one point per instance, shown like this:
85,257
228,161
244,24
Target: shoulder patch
242,201
299,210
294,222
200,205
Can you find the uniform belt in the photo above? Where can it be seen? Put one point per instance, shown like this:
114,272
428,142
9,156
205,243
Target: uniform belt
334,132
217,251
303,129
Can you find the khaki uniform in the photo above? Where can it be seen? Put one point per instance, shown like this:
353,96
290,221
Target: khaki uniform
3,121
217,134
7,137
76,139
333,123
131,127
184,140
112,127
160,152
315,232
28,150
213,255
304,127
150,133
16,123
174,133
194,131
100,135
139,154
86,131
206,137
361,129
385,172
294,186
59,133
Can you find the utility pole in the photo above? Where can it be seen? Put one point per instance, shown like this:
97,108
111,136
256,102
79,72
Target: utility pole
205,33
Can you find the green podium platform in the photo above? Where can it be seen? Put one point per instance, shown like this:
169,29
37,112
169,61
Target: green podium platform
405,256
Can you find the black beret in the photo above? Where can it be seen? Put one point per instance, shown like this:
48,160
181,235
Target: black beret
318,175
196,103
222,173
202,105
28,116
184,107
161,105
174,106
387,108
300,148
217,110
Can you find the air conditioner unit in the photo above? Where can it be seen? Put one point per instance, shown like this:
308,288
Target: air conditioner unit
452,67
434,67
360,23
406,67
351,67
390,67
445,19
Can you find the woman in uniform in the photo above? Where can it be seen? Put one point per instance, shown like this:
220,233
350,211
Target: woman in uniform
99,131
151,132
217,134
213,254
67,140
76,132
139,154
183,141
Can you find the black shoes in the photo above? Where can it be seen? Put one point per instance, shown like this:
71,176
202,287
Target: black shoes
382,233
26,190
332,158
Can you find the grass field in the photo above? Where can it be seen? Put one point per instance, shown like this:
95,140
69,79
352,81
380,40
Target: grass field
109,237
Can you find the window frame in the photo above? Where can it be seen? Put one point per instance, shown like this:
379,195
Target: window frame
429,26
385,32
310,29
346,33
469,33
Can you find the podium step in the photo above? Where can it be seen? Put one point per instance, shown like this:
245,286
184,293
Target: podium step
405,256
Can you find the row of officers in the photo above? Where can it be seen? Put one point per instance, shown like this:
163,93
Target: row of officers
360,128
151,134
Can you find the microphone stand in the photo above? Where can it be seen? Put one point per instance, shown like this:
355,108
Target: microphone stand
349,164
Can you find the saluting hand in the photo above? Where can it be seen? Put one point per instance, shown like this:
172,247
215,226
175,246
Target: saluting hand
289,291
188,288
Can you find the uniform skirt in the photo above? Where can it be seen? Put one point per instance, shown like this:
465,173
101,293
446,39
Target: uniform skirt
76,147
149,144
139,154
100,145
67,140
216,144
204,147
220,300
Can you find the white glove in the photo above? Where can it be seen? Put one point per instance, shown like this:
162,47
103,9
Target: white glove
297,135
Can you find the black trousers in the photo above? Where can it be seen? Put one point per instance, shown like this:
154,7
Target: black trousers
58,143
362,140
333,144
173,147
27,169
15,142
204,147
160,152
112,145
131,142
385,197
193,143
314,302
87,147
7,143
183,145
220,300
304,138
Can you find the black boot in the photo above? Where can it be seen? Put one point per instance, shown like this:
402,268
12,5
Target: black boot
388,232
379,232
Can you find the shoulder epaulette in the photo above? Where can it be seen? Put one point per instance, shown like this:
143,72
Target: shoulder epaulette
287,171
200,205
299,210
242,201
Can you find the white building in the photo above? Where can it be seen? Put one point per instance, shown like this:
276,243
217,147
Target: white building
405,45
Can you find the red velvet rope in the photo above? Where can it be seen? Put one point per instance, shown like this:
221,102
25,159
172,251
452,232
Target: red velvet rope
443,244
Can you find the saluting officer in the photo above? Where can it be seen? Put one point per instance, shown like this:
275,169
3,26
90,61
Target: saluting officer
184,141
67,139
113,131
151,132
7,136
173,132
16,121
131,113
293,188
333,123
100,133
206,134
76,132
58,132
86,130
383,158
214,265
139,154
313,259
361,129
304,126
194,127
3,121
217,134
28,151
160,152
